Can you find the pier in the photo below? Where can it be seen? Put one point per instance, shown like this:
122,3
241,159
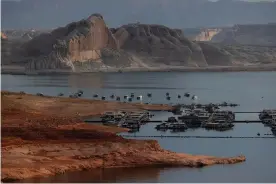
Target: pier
160,121
199,137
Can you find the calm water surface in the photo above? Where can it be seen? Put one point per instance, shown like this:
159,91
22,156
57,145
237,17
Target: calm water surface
245,88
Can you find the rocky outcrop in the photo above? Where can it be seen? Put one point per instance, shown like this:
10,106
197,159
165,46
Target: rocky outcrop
262,34
201,34
159,44
77,42
3,36
89,45
215,56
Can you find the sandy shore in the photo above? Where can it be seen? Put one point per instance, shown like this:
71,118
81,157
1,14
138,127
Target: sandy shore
18,70
46,135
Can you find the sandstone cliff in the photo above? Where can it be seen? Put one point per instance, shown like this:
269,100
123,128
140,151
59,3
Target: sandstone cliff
77,42
3,36
201,34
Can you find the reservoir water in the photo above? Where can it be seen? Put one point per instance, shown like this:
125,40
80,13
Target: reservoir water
254,91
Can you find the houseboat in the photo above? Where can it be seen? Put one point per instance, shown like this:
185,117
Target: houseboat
178,126
171,123
131,124
163,126
218,125
113,116
199,114
269,120
223,115
194,123
267,114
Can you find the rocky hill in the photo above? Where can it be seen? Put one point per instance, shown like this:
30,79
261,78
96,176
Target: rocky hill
159,45
201,34
255,34
64,47
23,35
89,45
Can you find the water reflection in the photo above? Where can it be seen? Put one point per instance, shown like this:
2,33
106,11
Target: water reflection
103,175
86,80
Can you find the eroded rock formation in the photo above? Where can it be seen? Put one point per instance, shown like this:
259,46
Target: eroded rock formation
255,34
89,45
159,44
201,34
3,36
77,42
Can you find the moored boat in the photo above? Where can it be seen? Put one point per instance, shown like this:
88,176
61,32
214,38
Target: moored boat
131,124
218,125
178,126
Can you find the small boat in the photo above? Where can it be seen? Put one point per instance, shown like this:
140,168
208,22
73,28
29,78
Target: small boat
80,91
187,95
194,97
139,97
60,94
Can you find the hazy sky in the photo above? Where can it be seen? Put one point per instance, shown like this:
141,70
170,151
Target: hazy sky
172,13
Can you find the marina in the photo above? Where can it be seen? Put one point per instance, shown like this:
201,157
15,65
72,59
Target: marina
219,120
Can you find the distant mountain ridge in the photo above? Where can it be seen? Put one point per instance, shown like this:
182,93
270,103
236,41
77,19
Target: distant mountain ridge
90,45
176,13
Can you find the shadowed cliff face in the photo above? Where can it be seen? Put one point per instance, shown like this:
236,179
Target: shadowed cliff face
159,43
215,56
